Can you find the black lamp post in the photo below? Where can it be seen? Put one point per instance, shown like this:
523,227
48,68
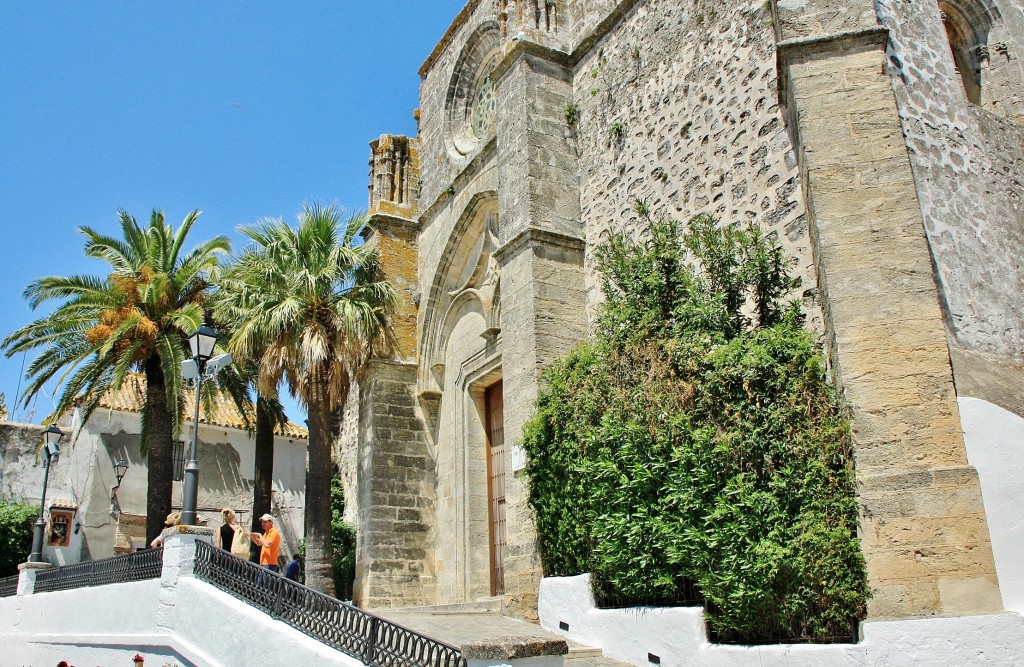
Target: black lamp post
202,343
51,451
120,468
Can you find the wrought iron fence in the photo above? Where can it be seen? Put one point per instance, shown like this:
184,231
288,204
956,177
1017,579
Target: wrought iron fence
119,569
8,586
348,629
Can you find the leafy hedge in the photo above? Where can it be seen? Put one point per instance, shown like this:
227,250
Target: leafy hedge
343,541
17,521
698,440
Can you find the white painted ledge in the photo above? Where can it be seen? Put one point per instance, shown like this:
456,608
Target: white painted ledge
677,636
995,447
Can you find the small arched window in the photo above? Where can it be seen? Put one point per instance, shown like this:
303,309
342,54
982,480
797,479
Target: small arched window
968,24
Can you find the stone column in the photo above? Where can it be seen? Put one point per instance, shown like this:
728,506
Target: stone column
923,525
396,492
543,311
179,560
27,576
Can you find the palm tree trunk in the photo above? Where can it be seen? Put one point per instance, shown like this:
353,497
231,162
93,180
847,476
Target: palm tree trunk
159,449
264,474
319,551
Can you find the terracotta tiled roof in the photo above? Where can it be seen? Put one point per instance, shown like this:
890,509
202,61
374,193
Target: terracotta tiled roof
62,504
130,397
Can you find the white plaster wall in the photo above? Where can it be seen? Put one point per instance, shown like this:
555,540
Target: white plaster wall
995,446
677,636
85,475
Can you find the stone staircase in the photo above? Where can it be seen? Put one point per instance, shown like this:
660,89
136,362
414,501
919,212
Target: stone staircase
481,621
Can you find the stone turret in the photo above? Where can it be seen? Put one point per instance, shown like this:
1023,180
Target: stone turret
538,21
394,197
394,176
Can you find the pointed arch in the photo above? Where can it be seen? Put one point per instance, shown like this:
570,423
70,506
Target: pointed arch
465,271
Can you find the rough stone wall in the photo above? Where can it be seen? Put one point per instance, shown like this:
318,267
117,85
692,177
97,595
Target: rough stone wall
968,164
678,108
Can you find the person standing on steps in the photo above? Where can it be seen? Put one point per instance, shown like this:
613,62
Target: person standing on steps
270,541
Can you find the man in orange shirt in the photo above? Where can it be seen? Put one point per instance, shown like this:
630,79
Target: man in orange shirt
270,541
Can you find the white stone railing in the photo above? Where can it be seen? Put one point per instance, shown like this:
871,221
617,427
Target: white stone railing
173,620
179,618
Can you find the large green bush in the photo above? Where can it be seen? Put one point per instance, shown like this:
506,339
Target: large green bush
17,521
698,440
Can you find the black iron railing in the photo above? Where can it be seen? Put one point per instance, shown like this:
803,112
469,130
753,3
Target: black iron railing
130,567
349,629
8,586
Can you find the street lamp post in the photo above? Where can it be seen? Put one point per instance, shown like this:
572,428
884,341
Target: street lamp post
51,451
202,343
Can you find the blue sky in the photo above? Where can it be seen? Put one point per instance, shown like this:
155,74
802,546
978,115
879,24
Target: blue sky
240,109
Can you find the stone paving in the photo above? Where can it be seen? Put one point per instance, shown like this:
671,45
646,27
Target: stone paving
481,626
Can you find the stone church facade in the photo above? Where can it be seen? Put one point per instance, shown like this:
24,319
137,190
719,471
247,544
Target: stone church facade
881,141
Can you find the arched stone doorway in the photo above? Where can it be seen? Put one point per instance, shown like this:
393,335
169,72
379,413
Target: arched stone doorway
460,371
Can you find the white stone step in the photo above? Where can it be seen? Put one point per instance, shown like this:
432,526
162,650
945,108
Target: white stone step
579,652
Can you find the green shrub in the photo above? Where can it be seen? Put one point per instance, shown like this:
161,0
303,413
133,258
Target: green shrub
343,539
698,440
17,521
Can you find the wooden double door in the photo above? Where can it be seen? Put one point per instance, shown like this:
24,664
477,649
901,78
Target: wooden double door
494,410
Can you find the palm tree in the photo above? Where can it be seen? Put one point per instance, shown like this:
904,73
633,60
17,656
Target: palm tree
313,305
134,319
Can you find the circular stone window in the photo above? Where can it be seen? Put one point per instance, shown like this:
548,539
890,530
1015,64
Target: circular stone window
472,95
485,101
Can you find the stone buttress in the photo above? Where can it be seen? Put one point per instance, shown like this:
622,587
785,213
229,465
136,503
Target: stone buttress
923,525
394,469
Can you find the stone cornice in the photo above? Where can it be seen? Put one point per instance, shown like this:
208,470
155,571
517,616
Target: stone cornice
449,35
847,40
382,221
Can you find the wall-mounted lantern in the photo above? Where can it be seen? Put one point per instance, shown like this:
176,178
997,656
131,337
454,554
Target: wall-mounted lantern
120,468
